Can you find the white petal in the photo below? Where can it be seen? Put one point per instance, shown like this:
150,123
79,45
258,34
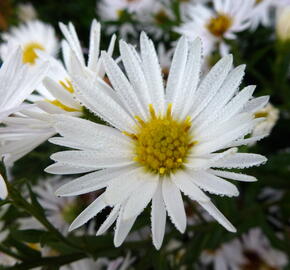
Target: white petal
94,49
59,93
226,92
214,184
135,73
90,182
3,189
211,84
176,73
174,204
92,210
191,77
123,227
123,87
152,72
109,220
216,214
256,104
158,217
140,198
183,182
64,168
93,159
240,160
234,176
122,187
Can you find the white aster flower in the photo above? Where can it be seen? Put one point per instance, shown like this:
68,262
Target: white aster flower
261,13
259,254
17,82
102,263
160,142
228,256
270,115
31,36
213,26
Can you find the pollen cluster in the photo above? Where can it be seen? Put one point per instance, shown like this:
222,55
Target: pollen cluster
219,25
29,54
162,143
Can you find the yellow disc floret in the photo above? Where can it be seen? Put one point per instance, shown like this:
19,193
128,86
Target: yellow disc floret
29,54
162,143
219,25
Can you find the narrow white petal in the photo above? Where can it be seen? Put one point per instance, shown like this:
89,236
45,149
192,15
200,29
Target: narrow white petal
123,227
158,217
135,73
152,72
122,187
92,210
3,188
226,92
93,159
59,93
174,204
64,168
175,77
211,84
216,214
248,141
240,160
90,182
190,78
140,198
94,49
183,182
213,184
122,86
234,176
109,220
256,104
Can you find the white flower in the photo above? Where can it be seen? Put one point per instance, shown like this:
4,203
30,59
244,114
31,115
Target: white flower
3,189
227,256
283,23
30,128
26,12
102,263
31,36
213,26
260,13
259,253
17,82
160,141
270,115
252,251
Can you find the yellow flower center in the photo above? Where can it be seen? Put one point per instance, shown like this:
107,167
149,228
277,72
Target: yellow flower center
68,86
219,25
258,1
29,54
162,143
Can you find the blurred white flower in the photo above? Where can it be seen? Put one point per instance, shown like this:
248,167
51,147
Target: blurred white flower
228,256
26,12
252,251
151,150
270,115
259,254
31,37
283,23
215,25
